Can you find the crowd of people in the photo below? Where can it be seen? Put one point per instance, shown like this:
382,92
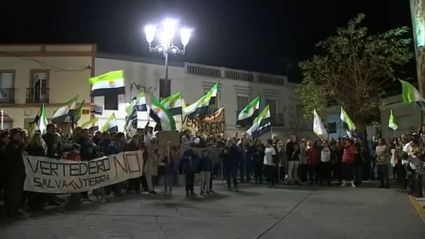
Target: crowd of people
316,161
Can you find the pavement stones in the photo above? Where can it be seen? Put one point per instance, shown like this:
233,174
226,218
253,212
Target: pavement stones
255,212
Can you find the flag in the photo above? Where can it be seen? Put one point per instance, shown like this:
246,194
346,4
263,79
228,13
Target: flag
163,118
200,108
78,113
318,127
173,103
392,124
261,124
249,113
111,83
111,124
139,102
89,123
347,123
411,95
62,113
42,123
131,121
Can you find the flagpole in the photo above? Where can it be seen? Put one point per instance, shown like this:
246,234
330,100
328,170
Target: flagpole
2,119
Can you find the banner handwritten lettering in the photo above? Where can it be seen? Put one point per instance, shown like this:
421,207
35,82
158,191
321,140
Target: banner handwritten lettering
212,125
48,175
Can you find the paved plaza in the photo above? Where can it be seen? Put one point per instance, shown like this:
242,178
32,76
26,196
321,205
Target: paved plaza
255,212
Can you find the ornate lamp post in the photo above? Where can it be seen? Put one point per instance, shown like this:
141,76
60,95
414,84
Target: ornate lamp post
166,46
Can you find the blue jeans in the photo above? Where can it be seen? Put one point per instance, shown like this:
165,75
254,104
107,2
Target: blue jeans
168,183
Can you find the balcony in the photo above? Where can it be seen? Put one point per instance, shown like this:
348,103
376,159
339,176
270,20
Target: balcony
37,95
277,119
7,96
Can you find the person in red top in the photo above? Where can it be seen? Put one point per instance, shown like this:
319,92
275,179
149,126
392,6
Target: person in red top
347,162
74,155
312,155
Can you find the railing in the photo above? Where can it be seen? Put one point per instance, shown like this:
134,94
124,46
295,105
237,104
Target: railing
7,96
37,95
276,119
248,76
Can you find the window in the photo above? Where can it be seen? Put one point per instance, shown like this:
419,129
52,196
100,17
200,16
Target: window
273,112
272,105
332,128
243,101
7,92
111,102
39,83
164,88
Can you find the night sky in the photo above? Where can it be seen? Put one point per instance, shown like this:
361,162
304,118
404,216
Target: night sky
244,34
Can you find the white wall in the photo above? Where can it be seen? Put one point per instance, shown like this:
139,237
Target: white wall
192,87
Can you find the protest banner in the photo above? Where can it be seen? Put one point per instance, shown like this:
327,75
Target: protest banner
49,175
212,125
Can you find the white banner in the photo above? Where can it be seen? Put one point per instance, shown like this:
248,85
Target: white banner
48,175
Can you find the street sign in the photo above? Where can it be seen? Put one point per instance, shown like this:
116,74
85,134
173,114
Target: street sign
96,109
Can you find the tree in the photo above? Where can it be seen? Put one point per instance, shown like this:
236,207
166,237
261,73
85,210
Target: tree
354,70
297,123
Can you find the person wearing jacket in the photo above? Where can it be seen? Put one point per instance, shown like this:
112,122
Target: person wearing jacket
257,152
15,174
205,167
382,154
4,140
347,162
150,168
74,155
134,183
168,169
230,156
312,155
188,167
325,164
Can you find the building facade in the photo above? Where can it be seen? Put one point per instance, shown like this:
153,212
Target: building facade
31,75
237,89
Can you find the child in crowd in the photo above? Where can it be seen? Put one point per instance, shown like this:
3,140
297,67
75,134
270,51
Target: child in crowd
168,165
74,155
205,167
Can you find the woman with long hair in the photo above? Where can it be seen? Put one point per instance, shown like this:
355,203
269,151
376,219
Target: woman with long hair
151,168
36,147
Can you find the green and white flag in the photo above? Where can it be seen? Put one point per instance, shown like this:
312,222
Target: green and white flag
111,83
249,113
173,103
411,95
163,118
392,124
347,123
139,102
111,124
199,109
42,123
62,113
261,124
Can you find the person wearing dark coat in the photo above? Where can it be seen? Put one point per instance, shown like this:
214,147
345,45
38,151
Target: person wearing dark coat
230,155
134,183
4,140
15,174
188,167
37,147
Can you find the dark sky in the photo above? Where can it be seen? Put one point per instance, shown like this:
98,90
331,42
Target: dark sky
244,34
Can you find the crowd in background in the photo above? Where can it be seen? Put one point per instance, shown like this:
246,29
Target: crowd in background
316,161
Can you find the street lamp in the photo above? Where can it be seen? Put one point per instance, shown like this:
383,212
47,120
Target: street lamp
166,46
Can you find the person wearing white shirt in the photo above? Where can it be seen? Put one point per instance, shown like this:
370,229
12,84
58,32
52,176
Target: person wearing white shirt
269,162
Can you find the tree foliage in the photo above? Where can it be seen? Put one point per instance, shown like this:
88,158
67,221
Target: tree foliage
354,70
